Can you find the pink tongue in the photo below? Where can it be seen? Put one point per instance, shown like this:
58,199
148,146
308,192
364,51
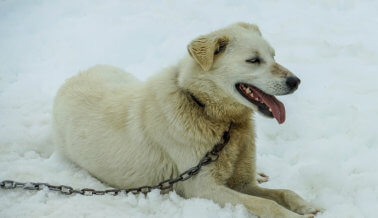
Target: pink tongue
278,109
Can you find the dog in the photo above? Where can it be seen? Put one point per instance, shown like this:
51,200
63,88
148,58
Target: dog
129,133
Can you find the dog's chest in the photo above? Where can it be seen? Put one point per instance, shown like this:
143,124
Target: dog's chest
237,152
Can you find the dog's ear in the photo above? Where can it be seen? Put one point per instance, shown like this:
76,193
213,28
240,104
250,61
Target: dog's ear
249,26
205,48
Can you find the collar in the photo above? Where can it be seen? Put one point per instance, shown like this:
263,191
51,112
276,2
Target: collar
195,99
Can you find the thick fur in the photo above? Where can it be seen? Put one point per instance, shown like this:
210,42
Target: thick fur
128,133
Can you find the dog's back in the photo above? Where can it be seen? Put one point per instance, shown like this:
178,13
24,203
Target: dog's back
91,93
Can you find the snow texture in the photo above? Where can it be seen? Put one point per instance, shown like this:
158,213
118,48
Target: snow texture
326,151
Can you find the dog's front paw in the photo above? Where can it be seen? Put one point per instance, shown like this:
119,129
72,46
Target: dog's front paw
308,210
262,177
298,204
308,216
272,209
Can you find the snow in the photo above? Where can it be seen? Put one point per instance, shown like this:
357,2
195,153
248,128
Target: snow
326,151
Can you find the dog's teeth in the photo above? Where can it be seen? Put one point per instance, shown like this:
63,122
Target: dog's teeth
270,110
248,91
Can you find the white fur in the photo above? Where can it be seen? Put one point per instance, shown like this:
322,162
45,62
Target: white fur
127,133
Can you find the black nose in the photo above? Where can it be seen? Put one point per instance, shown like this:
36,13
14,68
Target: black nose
293,82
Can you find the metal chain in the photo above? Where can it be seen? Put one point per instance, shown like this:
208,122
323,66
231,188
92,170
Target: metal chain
209,157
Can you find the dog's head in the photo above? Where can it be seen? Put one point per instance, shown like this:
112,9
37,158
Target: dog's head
240,62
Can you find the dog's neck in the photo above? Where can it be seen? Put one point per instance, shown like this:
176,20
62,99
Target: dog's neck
215,110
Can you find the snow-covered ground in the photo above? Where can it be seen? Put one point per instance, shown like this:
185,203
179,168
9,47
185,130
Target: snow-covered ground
327,150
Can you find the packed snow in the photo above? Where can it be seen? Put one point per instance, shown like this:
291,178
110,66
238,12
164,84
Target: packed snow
326,151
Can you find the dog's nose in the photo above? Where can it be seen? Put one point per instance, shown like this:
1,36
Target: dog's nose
293,82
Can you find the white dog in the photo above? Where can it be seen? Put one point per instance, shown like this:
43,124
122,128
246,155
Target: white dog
127,133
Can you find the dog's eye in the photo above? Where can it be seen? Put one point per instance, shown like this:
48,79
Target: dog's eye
219,49
254,61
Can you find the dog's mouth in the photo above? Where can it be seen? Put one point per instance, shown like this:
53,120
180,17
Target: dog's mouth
267,104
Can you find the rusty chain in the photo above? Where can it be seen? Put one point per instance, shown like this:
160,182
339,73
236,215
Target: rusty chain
208,158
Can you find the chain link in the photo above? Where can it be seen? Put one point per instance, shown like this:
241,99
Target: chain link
210,156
